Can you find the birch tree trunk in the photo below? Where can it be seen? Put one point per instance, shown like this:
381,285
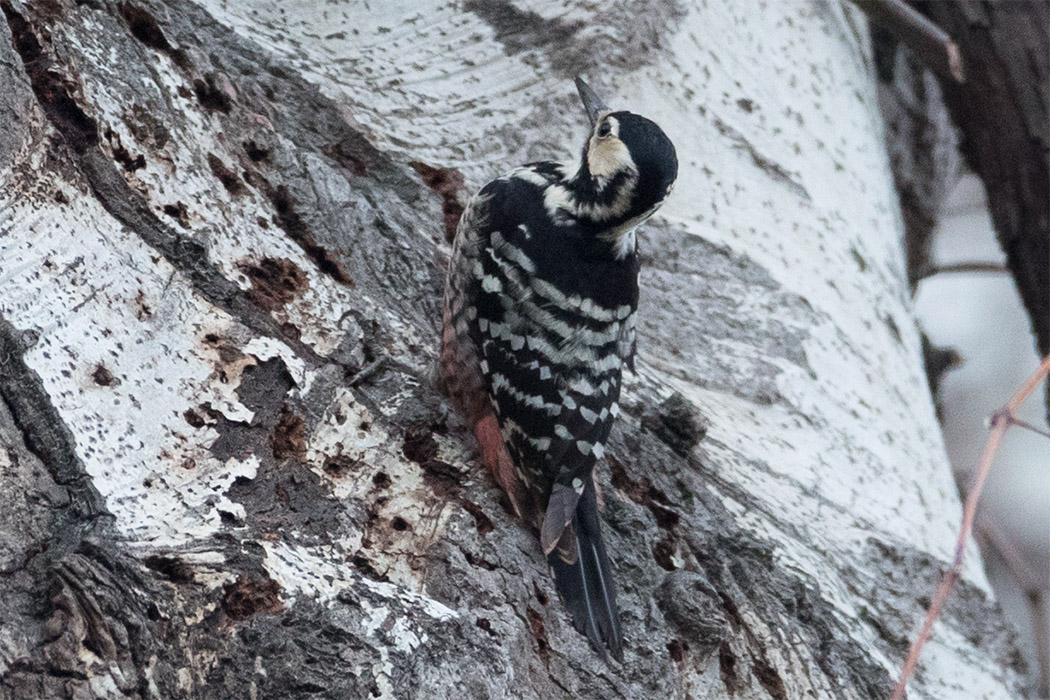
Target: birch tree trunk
225,468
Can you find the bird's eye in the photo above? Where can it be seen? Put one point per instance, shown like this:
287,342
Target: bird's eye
604,129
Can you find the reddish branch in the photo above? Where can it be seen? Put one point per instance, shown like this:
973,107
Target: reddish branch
1001,421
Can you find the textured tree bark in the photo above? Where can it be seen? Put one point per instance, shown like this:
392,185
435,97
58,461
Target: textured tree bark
1002,112
226,469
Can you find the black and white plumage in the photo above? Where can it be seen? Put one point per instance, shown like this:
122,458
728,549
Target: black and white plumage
539,321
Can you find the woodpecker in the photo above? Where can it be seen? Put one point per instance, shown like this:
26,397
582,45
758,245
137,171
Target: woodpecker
539,321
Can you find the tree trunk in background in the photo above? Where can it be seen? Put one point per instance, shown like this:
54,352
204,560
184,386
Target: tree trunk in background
225,467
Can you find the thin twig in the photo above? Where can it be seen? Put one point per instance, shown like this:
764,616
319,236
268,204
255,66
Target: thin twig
1028,426
963,267
931,43
1002,420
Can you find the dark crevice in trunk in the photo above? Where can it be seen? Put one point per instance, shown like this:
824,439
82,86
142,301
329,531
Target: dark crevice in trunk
42,428
54,92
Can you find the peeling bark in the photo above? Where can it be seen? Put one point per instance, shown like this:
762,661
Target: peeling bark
228,468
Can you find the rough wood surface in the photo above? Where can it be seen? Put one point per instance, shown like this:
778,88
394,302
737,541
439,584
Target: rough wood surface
225,467
1003,112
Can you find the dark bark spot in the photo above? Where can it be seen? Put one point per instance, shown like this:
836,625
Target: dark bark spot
400,524
341,153
381,480
769,678
54,91
255,152
481,521
341,465
122,156
171,568
145,28
746,105
677,422
275,281
250,595
102,375
288,437
225,175
479,562
484,624
211,96
539,631
419,447
362,564
61,197
676,649
143,310
193,418
540,595
662,553
292,223
727,667
450,185
178,212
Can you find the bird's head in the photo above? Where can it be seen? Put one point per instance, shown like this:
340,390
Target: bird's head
627,169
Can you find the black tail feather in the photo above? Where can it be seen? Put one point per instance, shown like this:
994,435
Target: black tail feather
586,585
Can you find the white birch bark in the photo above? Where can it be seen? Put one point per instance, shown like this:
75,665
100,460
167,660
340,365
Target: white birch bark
229,473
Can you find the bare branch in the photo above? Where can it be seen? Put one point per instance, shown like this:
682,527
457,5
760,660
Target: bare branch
963,267
1001,421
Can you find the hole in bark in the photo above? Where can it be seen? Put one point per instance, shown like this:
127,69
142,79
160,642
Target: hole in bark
255,152
171,568
484,624
144,28
676,649
211,97
381,480
664,517
400,524
540,595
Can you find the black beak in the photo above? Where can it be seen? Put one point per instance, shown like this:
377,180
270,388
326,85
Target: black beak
591,102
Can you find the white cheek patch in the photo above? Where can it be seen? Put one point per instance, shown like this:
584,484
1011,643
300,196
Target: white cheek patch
608,157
